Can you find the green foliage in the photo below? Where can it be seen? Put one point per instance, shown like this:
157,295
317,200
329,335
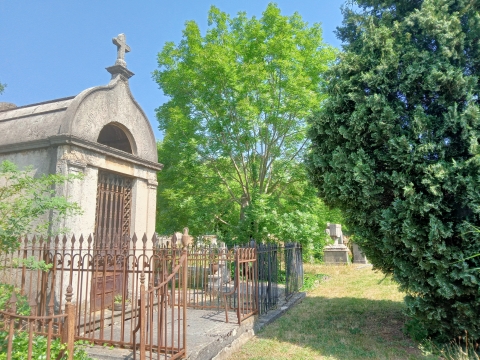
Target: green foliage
26,199
31,263
39,348
2,88
396,148
311,281
235,127
461,348
22,307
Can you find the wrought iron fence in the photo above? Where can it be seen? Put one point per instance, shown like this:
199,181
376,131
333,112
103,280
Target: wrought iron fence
162,312
244,295
210,274
107,275
52,326
216,276
293,269
269,268
103,274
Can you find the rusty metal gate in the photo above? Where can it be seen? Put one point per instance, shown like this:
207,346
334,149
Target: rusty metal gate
244,296
112,226
114,202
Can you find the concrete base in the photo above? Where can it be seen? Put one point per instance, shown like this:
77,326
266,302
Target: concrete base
209,336
336,254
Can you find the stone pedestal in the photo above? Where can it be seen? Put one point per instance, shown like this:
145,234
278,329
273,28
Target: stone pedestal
336,254
217,279
358,256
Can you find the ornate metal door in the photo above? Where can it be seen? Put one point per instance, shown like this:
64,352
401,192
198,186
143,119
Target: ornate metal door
112,228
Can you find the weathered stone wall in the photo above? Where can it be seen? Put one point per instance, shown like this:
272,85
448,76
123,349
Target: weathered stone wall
74,159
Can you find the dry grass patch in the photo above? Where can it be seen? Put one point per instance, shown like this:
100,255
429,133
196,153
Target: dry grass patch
355,313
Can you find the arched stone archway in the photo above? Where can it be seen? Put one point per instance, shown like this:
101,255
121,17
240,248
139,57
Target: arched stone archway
115,137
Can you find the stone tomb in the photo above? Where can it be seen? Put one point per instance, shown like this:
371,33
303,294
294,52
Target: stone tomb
338,252
104,134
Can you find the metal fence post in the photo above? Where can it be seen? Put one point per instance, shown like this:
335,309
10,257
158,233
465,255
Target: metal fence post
142,317
69,332
13,310
185,279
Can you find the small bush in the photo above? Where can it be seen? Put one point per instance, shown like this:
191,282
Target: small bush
310,281
39,348
462,348
22,302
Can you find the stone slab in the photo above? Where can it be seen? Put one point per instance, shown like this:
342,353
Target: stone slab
358,256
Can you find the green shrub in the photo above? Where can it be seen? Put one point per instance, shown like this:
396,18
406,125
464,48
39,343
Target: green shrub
39,348
396,147
22,302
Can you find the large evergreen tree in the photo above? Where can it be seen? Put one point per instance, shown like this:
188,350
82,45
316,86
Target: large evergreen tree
396,147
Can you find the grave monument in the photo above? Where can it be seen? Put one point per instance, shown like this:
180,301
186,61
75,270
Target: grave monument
358,256
338,252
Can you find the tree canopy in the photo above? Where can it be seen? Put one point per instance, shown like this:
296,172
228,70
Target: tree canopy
396,148
235,124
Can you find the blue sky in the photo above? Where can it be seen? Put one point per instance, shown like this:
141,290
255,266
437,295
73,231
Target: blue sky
53,49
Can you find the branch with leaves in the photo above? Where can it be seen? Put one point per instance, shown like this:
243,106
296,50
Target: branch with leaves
29,204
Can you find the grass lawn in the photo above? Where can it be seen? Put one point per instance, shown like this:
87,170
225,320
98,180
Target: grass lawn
354,313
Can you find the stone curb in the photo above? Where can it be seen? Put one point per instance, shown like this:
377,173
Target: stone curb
237,342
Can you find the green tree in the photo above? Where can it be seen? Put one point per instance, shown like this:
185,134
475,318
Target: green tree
396,148
235,124
2,88
29,204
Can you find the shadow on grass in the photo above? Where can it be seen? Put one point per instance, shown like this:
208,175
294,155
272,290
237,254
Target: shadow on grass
340,328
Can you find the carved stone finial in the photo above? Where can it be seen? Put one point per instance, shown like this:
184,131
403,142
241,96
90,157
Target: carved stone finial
186,239
120,67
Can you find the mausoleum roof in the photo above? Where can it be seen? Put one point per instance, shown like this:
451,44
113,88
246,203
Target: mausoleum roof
80,119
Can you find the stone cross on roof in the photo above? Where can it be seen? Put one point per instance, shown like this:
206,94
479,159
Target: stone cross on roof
120,67
122,48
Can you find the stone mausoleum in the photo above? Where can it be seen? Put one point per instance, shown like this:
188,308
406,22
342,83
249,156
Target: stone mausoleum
104,134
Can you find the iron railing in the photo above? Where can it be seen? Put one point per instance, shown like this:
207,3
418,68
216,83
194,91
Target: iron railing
244,295
269,267
162,322
212,274
293,269
51,326
108,272
103,274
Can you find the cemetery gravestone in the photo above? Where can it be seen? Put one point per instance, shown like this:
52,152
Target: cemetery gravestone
338,252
